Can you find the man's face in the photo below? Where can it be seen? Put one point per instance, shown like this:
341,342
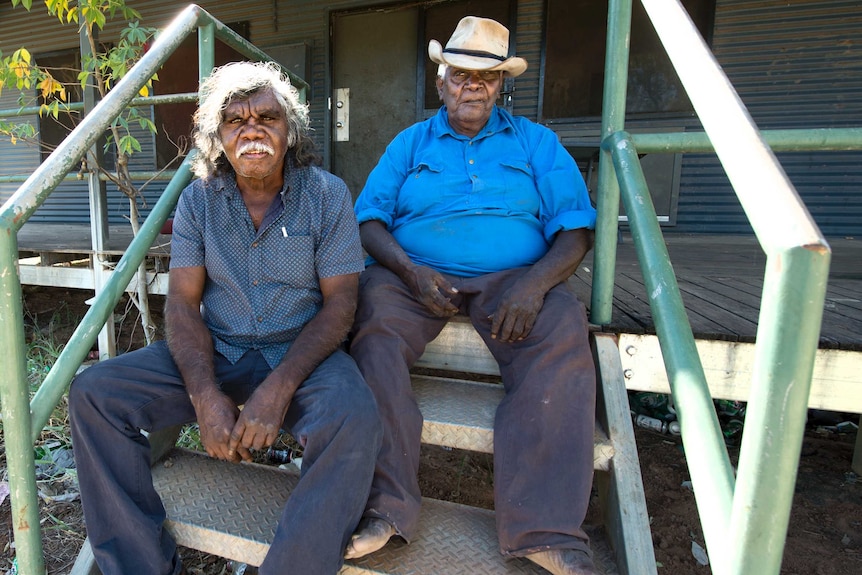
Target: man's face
254,134
469,96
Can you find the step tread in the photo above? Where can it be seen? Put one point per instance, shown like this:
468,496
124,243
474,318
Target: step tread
460,414
210,509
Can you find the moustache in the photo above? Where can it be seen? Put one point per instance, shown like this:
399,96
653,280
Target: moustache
255,148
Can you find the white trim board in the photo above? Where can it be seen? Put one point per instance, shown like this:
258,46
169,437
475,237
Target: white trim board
836,383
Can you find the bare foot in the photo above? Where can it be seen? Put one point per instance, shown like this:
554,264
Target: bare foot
371,535
565,562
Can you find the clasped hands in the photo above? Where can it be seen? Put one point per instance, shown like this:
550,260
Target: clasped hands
511,321
229,433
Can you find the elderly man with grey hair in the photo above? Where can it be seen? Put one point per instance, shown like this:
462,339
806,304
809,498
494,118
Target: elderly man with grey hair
267,244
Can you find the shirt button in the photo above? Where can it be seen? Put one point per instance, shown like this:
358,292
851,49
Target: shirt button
254,245
254,283
259,319
475,176
472,161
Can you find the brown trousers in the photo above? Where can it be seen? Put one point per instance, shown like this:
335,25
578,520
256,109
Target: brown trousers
543,431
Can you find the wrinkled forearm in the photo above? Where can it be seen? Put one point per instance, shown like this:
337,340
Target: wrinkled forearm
562,260
190,344
381,246
318,340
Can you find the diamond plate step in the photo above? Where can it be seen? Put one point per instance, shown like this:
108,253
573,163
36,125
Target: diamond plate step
460,414
210,508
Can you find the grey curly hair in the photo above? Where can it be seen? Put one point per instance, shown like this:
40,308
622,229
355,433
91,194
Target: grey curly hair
239,80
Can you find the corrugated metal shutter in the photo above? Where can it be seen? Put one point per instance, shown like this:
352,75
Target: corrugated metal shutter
795,64
68,202
528,35
17,159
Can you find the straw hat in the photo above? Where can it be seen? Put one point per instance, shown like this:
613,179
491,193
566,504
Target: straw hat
478,44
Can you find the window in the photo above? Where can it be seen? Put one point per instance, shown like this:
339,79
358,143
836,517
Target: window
573,86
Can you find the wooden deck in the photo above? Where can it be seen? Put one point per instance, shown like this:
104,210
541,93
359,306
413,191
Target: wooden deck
721,281
720,277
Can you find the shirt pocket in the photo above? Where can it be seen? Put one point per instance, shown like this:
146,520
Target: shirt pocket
423,188
290,261
519,184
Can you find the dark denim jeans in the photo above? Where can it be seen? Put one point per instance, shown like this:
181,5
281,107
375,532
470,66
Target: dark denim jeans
333,414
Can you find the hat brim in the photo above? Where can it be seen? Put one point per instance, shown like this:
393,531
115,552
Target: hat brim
513,66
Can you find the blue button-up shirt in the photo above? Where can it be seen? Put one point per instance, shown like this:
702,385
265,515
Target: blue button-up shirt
470,206
262,286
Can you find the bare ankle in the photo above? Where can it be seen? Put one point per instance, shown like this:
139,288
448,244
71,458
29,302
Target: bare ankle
371,535
565,562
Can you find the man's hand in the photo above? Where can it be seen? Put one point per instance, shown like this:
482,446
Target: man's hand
260,421
217,415
520,305
517,311
432,290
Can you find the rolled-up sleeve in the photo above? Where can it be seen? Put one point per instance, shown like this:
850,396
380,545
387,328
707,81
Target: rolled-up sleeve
565,200
378,198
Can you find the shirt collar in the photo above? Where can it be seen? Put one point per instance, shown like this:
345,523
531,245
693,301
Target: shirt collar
226,182
496,123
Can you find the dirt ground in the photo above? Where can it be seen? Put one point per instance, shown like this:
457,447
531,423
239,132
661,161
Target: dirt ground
824,537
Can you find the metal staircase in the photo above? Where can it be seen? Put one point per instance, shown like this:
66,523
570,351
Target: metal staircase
210,508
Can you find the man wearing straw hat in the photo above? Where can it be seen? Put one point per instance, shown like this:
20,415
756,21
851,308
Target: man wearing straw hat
477,212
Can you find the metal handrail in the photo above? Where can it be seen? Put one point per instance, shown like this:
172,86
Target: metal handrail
744,518
23,420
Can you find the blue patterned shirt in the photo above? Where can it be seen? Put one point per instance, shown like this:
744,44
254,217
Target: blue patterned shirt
471,206
262,286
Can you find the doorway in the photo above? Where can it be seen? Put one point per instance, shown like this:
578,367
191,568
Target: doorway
382,80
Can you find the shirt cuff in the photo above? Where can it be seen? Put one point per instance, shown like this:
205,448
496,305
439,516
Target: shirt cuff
570,221
369,214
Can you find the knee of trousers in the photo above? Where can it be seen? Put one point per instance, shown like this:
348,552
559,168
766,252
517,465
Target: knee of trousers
87,389
361,419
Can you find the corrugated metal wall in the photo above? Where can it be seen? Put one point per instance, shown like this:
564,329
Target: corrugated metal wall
20,156
70,201
795,64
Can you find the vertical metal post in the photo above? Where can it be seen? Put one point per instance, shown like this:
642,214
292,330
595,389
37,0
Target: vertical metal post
794,290
206,50
15,397
613,120
708,462
98,210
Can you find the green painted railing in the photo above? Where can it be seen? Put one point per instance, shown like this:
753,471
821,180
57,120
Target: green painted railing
22,419
744,518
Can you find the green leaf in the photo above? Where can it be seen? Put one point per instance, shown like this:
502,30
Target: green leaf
100,20
129,145
147,124
83,77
